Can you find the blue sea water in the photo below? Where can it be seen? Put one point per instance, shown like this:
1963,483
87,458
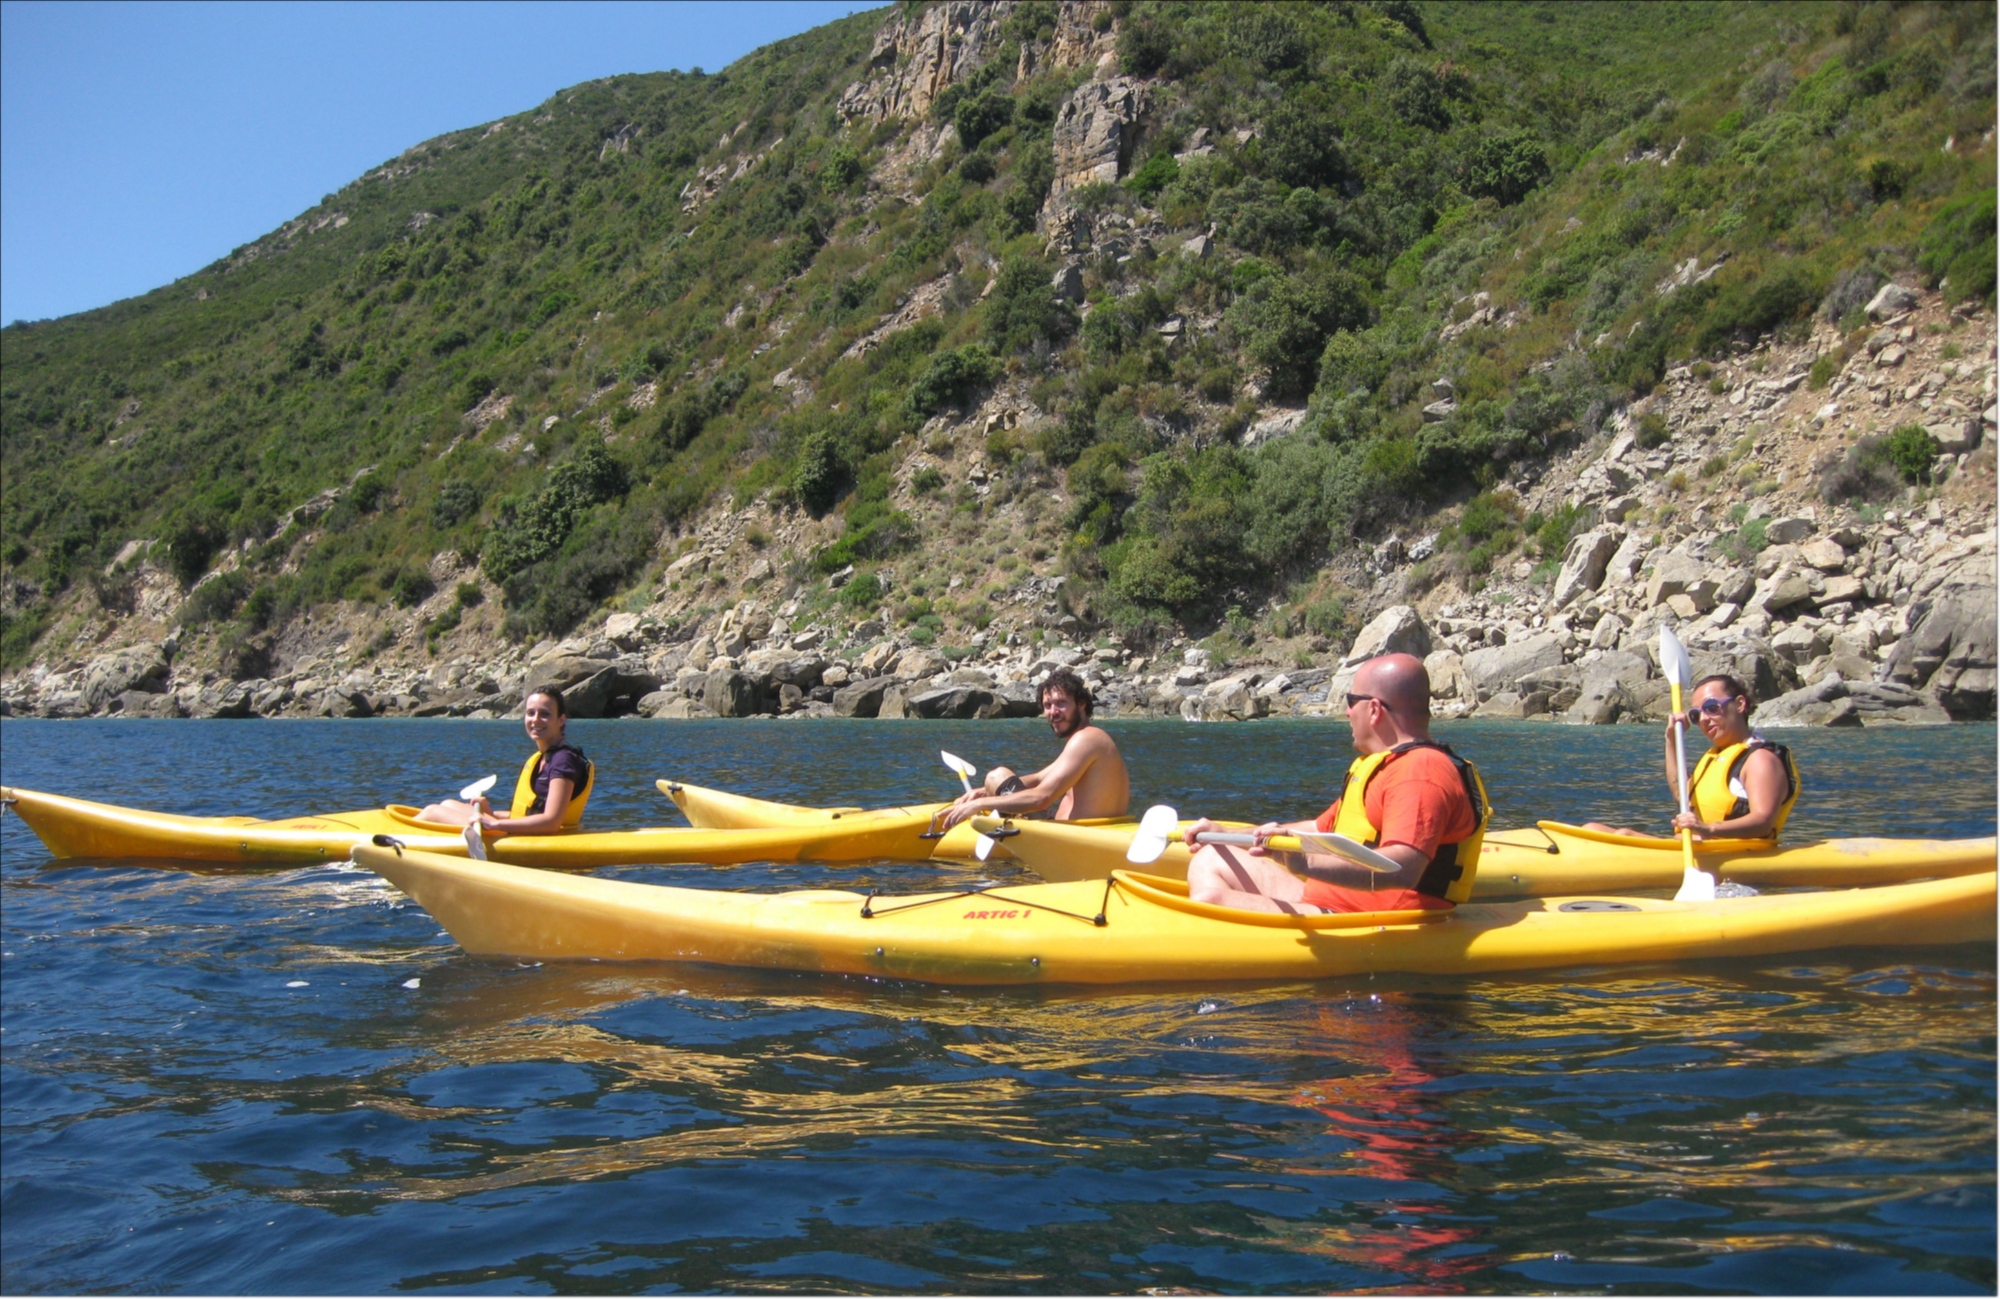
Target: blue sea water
287,1080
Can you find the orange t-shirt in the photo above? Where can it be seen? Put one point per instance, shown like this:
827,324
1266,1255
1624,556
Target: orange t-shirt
1416,799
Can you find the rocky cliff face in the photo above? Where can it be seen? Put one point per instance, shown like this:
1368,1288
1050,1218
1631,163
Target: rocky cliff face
1702,505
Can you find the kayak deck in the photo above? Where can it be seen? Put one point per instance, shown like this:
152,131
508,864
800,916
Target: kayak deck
1136,928
74,827
1551,858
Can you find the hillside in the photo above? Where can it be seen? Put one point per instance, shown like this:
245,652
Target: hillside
1007,333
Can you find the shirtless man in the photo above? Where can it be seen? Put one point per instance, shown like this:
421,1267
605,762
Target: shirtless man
1407,796
1088,776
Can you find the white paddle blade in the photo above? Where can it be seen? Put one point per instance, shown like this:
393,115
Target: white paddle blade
959,767
474,844
1674,664
1358,853
1155,828
1696,886
983,845
477,789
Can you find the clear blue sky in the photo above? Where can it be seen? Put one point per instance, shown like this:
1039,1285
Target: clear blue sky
141,141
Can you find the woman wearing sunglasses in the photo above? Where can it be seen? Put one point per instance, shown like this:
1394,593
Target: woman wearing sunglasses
1744,786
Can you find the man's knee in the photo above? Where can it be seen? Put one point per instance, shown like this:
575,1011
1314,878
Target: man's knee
1002,780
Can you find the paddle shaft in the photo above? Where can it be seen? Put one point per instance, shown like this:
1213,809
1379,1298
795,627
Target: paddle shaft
1295,843
1681,772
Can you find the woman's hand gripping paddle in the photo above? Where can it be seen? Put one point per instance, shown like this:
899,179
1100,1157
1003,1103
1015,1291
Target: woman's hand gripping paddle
1697,885
474,843
1160,825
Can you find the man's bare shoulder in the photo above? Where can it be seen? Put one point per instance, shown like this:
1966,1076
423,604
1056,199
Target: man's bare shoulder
1092,741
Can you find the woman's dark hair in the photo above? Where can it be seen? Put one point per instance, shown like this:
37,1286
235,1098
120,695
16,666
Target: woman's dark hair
562,705
1732,685
1070,684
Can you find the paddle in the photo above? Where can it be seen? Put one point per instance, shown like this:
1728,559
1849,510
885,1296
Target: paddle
1160,823
960,767
1697,885
982,847
474,843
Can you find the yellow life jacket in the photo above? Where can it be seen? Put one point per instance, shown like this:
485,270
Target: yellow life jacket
525,802
1716,793
1450,872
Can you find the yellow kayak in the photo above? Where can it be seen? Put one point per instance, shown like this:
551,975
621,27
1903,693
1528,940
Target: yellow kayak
74,827
1550,858
1140,928
715,809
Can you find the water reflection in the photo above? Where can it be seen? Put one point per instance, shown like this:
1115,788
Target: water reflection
197,1064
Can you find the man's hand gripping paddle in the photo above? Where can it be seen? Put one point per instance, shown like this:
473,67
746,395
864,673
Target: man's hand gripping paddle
982,847
1697,885
474,843
1161,824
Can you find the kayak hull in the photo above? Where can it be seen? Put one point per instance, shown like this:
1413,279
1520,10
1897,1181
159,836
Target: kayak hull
1136,928
1553,859
74,827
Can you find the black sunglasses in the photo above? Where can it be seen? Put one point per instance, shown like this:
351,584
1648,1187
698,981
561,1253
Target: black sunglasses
1364,699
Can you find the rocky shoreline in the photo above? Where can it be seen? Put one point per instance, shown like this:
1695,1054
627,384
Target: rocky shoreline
1704,508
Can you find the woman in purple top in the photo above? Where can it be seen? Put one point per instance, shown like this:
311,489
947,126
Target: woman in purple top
558,778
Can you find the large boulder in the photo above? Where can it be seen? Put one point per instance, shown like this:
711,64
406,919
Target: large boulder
1601,700
230,699
141,703
957,703
1396,630
1497,667
1951,651
1678,573
141,667
1514,705
1824,703
730,693
920,664
1559,686
1833,701
1622,569
861,698
1583,563
1093,134
564,672
1751,660
1448,678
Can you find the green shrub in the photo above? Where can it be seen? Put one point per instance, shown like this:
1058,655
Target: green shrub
863,591
410,587
1154,175
1553,533
190,543
1506,167
455,500
1958,246
1825,369
951,378
926,480
529,532
1911,451
1284,322
214,600
978,116
1652,430
819,473
1023,310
